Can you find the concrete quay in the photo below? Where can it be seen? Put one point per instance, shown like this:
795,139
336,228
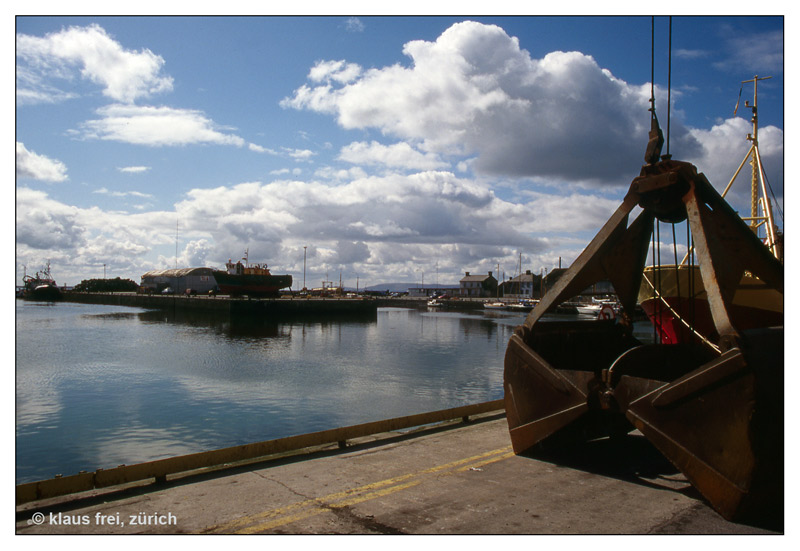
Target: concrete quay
452,478
277,308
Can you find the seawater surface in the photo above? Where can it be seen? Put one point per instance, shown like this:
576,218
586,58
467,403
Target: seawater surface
100,386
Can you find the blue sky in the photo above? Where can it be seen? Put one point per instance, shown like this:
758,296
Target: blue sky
393,148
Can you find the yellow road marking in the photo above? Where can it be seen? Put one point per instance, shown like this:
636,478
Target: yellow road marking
305,509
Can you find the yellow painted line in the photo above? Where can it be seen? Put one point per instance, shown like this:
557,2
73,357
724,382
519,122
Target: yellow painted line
315,506
324,507
488,461
310,503
325,501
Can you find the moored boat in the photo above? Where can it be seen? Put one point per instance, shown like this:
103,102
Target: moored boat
253,280
41,286
589,309
523,305
673,295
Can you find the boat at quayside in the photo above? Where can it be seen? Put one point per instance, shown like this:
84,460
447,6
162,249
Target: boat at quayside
254,280
41,286
525,305
673,295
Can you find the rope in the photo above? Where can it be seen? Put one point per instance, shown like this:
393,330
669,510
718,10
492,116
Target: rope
669,82
652,65
655,294
675,254
660,300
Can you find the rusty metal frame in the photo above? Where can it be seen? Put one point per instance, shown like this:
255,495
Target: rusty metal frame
715,414
618,252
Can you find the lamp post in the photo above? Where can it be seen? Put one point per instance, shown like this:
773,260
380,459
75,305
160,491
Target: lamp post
304,267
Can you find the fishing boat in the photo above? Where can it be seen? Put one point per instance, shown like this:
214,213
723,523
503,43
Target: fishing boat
254,280
523,305
497,305
673,295
41,286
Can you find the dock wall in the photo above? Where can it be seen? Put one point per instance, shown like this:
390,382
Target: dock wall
277,308
272,308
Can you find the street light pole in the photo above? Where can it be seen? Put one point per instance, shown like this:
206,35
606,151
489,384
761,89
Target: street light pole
304,267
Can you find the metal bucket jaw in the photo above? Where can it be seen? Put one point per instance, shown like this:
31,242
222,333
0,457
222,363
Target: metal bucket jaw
715,412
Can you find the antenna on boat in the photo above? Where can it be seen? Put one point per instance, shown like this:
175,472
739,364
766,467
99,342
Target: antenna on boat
759,198
669,83
176,242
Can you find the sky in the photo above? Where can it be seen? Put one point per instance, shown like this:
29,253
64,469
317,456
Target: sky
366,149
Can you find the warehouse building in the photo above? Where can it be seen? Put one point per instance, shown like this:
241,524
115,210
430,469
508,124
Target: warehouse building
199,280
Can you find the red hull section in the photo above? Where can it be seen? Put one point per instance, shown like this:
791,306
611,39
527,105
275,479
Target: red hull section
697,314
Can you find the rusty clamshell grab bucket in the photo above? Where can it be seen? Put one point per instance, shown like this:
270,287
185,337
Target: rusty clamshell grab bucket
716,413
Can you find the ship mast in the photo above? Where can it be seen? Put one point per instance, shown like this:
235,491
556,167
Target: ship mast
759,198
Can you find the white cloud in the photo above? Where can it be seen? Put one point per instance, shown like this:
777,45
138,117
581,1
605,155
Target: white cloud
139,194
337,71
475,92
134,169
156,126
43,223
380,227
299,154
338,175
477,96
354,25
511,119
90,52
724,147
363,220
399,155
77,240
682,53
196,251
33,166
33,88
260,149
319,98
760,53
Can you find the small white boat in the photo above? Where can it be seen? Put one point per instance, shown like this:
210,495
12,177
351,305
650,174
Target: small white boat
435,303
589,309
523,305
494,305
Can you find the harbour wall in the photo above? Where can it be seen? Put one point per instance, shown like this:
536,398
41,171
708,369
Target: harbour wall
279,308
272,308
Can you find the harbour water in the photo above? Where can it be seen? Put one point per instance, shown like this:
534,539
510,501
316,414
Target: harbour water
99,386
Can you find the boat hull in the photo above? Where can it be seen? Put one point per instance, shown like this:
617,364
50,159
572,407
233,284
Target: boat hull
47,293
683,310
254,285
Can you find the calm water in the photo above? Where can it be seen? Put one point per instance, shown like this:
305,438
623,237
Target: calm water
99,386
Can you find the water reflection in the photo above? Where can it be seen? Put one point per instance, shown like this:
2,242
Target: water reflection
102,385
